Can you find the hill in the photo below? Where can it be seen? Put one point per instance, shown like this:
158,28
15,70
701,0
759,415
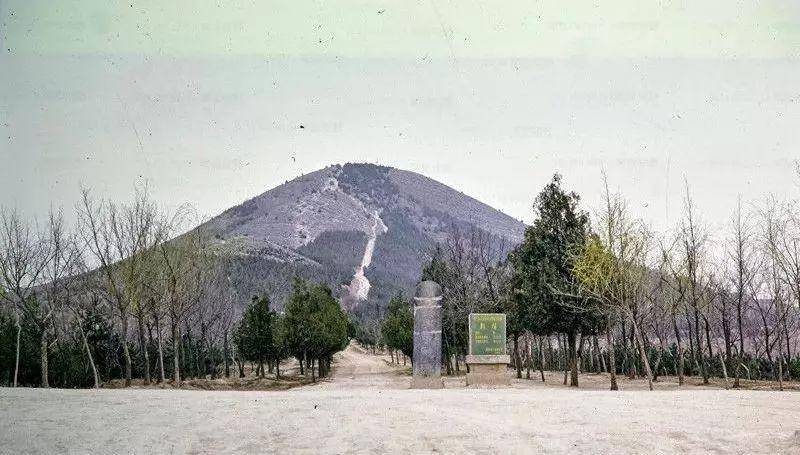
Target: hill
364,229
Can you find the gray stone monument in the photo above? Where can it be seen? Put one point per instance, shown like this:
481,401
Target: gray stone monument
427,337
487,357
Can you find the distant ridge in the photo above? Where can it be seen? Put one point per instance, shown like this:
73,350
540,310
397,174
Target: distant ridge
320,225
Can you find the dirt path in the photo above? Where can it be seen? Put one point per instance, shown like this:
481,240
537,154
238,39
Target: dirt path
355,368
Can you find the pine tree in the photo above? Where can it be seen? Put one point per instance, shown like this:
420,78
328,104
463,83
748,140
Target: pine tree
398,326
543,271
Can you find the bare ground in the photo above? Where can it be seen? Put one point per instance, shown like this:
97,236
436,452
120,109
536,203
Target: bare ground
366,408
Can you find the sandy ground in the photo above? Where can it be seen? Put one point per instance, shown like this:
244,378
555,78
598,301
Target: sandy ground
367,408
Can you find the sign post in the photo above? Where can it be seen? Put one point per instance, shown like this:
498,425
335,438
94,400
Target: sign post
487,357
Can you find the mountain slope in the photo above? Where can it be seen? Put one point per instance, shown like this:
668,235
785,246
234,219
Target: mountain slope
364,229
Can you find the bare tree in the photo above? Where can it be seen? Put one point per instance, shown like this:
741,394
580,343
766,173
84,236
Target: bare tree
78,306
118,236
185,262
62,265
740,254
473,279
782,266
612,271
23,258
694,239
672,274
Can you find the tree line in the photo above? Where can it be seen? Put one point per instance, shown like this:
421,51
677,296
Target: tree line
130,291
311,329
604,293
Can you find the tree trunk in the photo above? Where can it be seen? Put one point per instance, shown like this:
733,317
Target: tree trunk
16,359
176,374
150,343
708,339
43,354
680,365
313,376
541,358
658,363
700,357
225,354
788,350
779,356
143,347
740,357
162,377
528,357
726,335
126,350
645,362
612,361
517,364
724,372
627,362
212,362
89,354
600,356
690,336
562,345
573,358
448,365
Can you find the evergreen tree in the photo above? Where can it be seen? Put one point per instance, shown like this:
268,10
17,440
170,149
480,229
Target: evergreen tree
280,342
398,326
543,280
315,325
254,336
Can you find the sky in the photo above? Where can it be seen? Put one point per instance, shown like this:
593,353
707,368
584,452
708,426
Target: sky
203,101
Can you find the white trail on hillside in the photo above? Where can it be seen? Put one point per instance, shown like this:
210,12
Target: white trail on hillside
359,285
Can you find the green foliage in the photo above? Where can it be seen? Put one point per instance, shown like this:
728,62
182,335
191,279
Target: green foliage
68,363
366,328
543,265
315,325
398,325
280,339
254,337
338,251
262,335
398,254
436,269
595,268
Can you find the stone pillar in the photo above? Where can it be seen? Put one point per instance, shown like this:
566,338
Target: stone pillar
427,337
487,357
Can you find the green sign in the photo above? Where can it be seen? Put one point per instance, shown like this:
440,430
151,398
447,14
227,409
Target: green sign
487,334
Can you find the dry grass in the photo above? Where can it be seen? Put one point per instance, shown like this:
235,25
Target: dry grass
602,381
290,378
366,407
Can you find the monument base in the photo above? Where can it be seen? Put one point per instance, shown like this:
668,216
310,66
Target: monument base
427,382
488,370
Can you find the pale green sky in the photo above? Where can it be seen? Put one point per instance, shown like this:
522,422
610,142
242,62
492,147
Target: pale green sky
404,28
203,100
